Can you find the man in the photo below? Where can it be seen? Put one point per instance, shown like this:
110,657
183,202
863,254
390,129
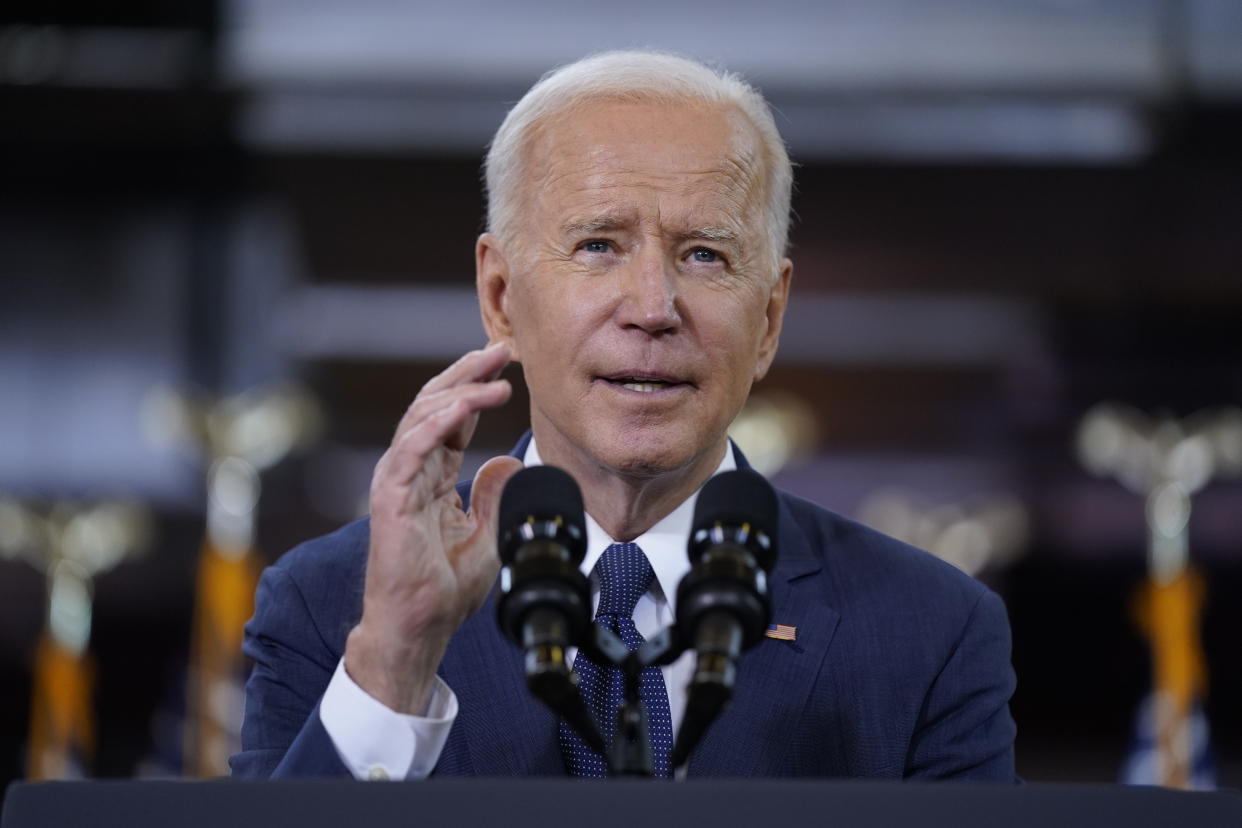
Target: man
634,266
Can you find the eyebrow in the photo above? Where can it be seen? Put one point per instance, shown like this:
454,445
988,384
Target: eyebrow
717,234
593,225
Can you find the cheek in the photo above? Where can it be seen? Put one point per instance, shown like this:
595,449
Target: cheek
732,330
552,319
564,306
529,311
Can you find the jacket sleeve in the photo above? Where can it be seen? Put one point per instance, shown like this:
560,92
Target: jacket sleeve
282,735
964,730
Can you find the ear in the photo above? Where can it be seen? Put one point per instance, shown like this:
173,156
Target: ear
775,316
491,267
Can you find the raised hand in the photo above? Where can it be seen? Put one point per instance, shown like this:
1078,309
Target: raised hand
430,563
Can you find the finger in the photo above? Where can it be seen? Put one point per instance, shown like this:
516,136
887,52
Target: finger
444,427
423,407
477,366
459,439
483,364
489,484
478,561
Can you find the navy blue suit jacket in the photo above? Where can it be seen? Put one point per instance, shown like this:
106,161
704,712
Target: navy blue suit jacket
900,668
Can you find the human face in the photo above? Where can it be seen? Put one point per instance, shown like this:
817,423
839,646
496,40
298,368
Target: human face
640,295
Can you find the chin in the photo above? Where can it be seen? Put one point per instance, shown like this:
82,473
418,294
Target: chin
645,452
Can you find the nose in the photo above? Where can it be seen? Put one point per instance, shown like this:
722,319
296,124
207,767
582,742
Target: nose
649,294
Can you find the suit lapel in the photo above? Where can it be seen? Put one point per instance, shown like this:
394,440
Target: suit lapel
774,679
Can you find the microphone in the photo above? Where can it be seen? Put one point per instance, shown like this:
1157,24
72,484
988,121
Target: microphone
545,600
723,604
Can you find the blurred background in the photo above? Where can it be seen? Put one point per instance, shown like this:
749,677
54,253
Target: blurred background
237,237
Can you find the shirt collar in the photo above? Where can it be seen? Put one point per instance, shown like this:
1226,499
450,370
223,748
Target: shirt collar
664,544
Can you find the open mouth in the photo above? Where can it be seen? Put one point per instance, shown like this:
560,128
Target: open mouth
643,383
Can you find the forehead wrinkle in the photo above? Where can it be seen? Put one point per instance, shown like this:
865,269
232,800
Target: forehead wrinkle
606,170
731,183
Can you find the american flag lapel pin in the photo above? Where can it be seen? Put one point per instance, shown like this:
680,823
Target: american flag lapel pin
782,632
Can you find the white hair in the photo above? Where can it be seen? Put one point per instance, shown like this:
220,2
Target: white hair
639,77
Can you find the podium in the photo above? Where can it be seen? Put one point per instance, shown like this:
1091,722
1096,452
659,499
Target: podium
516,803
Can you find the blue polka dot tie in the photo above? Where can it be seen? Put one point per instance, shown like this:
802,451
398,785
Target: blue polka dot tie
624,575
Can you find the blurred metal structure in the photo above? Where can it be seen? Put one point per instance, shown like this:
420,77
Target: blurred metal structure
987,532
238,436
71,544
1167,460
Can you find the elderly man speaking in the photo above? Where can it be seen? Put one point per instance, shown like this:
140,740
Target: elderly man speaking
638,207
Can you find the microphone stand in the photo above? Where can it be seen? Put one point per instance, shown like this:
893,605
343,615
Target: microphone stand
631,744
723,604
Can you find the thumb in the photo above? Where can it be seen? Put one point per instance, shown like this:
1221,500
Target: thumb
488,484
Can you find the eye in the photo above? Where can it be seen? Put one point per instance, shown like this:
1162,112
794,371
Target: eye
704,255
596,246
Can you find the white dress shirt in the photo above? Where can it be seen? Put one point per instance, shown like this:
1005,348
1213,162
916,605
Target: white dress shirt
376,742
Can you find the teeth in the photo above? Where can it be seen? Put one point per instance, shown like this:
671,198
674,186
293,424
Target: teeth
644,387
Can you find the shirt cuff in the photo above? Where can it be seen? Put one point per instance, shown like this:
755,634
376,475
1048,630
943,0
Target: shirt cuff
376,742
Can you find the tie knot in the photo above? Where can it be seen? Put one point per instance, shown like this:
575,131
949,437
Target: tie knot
625,575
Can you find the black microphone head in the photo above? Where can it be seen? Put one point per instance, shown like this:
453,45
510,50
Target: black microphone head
542,493
735,498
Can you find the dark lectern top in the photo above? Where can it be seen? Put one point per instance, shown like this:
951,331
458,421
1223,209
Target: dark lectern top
540,803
